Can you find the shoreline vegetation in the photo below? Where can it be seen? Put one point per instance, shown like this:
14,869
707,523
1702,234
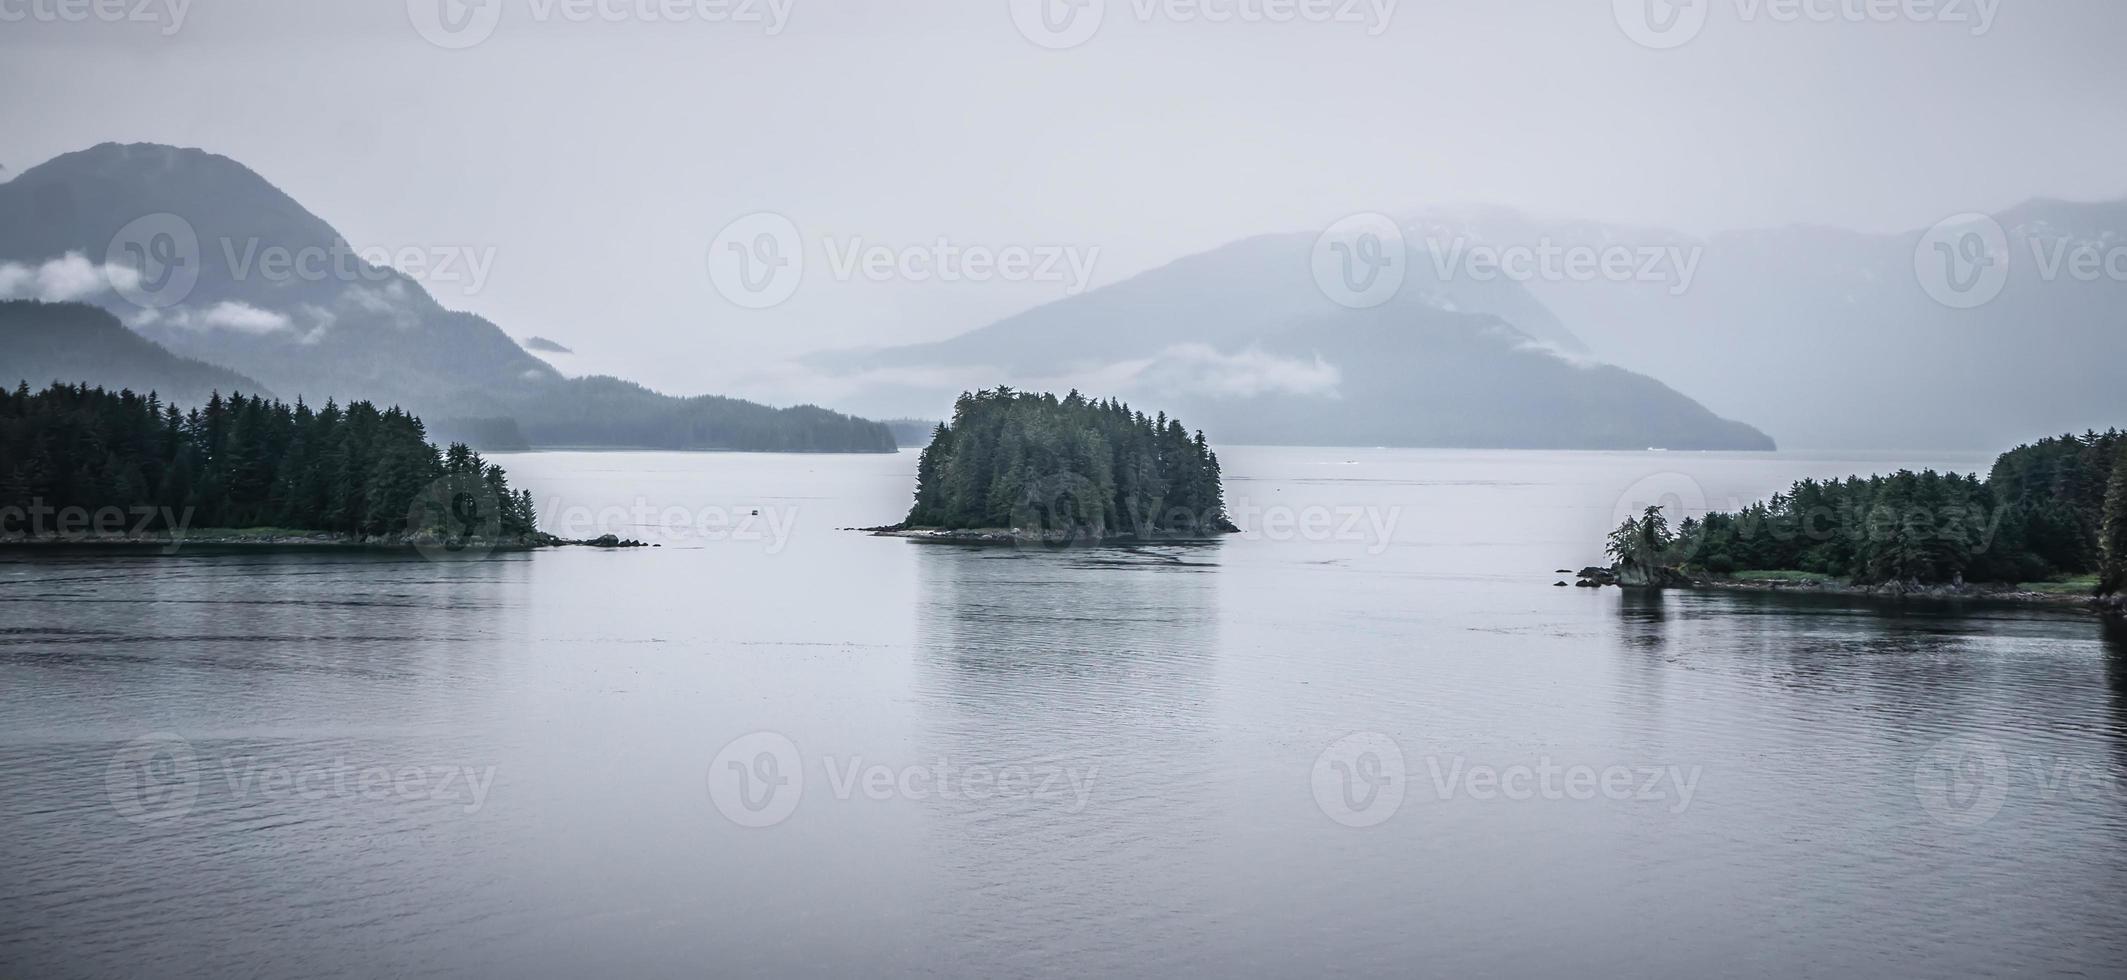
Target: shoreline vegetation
84,467
272,538
1026,468
2047,525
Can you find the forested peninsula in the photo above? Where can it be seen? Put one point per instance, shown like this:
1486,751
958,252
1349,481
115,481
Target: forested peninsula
2050,518
1024,466
82,464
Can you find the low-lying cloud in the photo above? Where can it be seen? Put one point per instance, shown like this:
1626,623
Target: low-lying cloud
1202,370
65,279
225,315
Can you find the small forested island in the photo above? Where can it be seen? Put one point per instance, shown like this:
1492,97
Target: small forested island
2050,519
82,464
1023,466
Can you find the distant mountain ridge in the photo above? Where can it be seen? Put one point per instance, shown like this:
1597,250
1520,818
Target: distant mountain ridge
75,342
1859,322
1245,339
207,289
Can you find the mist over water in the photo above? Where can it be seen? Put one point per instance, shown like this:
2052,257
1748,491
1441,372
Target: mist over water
1015,762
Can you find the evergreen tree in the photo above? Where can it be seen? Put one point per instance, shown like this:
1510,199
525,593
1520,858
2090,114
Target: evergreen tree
244,461
1035,462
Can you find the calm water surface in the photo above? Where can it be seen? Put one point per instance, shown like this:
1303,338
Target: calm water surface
1366,738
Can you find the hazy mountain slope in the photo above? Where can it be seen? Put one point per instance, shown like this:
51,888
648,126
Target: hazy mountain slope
1829,339
329,324
1229,295
1436,378
1243,341
74,342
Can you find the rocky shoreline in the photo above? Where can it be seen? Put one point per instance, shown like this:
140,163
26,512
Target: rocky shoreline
1597,577
1017,536
297,540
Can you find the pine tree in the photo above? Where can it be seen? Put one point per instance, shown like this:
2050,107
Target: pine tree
2112,541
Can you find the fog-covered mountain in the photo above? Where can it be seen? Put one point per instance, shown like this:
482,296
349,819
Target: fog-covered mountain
1899,340
1246,341
202,255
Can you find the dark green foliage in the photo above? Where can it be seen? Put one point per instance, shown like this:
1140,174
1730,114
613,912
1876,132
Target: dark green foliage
603,411
2041,512
243,462
1034,462
1645,541
2112,533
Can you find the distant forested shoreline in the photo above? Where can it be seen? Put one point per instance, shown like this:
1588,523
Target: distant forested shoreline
2053,512
357,473
1072,468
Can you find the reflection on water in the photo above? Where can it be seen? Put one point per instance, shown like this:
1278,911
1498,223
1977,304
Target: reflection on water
1106,762
1091,672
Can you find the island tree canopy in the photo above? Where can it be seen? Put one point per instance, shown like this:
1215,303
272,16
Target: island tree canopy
242,462
1034,462
2057,507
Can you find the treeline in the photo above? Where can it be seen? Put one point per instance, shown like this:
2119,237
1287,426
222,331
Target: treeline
605,411
1095,468
2054,508
245,462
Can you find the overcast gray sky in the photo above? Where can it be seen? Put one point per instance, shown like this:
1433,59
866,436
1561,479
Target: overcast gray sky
599,149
